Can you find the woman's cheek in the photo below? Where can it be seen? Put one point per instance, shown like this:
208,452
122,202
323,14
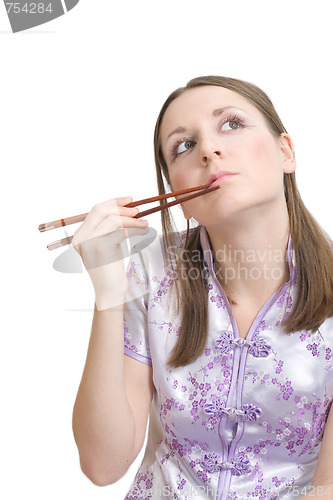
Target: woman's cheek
261,148
180,178
265,149
176,182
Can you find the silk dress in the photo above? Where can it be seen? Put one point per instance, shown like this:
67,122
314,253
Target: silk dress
245,420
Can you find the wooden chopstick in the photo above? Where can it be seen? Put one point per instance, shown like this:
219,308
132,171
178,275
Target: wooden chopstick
66,241
175,202
79,218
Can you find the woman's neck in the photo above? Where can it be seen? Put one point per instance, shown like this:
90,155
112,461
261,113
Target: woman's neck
250,256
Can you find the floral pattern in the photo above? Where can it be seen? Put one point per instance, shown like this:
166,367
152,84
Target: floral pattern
244,420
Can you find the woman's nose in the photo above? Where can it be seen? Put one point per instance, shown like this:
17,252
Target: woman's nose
209,151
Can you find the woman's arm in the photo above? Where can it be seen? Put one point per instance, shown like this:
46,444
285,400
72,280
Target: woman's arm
113,402
322,482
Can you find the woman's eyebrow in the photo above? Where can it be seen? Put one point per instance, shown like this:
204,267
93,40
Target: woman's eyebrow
216,112
178,130
219,111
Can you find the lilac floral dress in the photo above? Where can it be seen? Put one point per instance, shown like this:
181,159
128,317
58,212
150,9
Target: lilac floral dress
246,419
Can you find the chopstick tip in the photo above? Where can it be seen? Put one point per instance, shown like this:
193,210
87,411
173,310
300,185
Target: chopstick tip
46,227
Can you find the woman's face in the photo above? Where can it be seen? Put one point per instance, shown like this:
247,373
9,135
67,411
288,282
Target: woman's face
210,132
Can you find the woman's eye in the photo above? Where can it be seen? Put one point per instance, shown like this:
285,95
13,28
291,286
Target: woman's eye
230,125
184,146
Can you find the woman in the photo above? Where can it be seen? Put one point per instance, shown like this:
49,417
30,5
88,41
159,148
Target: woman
228,328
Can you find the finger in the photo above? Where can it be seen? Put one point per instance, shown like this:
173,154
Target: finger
120,201
113,207
117,203
120,235
124,200
113,223
108,248
102,211
113,239
107,226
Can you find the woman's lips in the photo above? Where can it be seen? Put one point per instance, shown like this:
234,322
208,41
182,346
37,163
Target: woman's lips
219,177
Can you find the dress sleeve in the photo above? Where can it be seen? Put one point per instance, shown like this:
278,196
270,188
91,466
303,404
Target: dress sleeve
136,342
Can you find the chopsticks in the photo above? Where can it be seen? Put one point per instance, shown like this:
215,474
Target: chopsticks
204,189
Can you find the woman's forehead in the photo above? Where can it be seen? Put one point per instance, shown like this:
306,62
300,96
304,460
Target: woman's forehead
202,102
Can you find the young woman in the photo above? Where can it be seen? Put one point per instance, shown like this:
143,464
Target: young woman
228,327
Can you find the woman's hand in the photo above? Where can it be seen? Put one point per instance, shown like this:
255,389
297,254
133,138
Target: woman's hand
98,242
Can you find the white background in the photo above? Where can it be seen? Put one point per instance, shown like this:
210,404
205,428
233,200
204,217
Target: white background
78,101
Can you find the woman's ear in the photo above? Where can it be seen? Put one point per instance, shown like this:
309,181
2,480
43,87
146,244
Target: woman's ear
288,155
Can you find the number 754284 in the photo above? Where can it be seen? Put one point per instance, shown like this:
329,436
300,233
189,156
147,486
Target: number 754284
28,8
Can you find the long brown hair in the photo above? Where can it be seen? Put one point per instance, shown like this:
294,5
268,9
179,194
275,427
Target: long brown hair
311,245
